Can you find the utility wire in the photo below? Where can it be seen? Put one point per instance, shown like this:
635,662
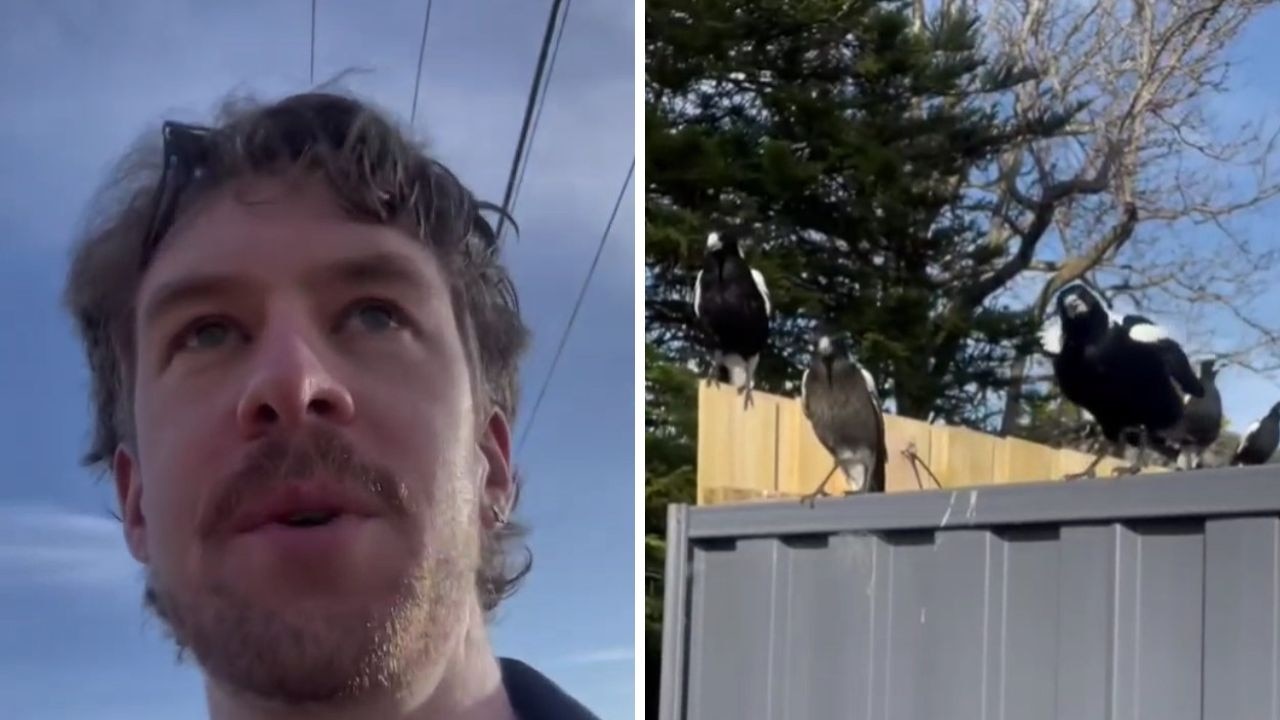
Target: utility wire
312,75
422,49
528,112
582,293
533,130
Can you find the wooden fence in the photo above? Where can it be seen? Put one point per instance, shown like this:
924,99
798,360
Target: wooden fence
770,451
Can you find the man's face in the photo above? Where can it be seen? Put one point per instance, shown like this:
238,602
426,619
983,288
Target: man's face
308,477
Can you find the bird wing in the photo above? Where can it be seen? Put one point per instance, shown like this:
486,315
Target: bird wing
764,289
871,385
697,295
1143,330
1051,337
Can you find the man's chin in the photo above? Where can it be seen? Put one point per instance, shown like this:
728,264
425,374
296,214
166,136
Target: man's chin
320,651
320,660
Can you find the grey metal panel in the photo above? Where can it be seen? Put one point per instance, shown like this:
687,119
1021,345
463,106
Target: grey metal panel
953,620
1085,628
1172,587
1131,606
671,692
731,660
1241,632
1160,622
1025,608
827,640
1125,628
901,649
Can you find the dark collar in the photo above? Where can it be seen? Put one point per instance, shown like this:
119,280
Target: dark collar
535,697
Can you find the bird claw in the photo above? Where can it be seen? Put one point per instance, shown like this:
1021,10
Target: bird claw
1126,470
713,375
747,400
1090,474
809,498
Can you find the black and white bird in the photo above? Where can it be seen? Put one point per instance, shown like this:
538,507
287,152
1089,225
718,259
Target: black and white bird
840,400
731,300
1201,420
1124,370
1259,442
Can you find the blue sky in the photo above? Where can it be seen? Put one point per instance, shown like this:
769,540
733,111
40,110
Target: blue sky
79,81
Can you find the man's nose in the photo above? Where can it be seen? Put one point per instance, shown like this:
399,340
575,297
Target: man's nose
289,385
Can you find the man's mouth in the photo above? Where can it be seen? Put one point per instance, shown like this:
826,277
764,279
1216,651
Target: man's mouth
308,519
310,505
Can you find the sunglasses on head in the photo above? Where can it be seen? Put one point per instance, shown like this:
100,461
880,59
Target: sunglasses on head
186,150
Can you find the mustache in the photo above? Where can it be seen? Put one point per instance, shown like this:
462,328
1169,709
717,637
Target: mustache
316,452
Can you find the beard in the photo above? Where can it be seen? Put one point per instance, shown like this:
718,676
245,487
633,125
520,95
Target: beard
312,654
326,652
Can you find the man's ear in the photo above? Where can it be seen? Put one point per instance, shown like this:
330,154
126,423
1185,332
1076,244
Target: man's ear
129,496
498,491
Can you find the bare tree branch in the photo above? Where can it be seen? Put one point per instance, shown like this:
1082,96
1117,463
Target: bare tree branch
1142,167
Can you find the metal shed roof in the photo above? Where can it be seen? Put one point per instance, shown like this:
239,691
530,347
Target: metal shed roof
1145,598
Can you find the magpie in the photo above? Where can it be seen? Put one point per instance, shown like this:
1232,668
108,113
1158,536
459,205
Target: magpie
1260,440
840,400
732,302
1201,420
1124,370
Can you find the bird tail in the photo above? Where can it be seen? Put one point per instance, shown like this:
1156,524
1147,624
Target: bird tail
877,480
737,367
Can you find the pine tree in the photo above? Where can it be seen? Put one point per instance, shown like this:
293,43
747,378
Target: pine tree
840,140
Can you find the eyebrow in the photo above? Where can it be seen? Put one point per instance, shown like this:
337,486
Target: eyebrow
383,268
374,269
186,290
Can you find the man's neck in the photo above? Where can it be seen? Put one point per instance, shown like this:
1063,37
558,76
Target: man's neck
467,687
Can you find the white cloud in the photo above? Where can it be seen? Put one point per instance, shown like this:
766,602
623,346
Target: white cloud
621,653
48,546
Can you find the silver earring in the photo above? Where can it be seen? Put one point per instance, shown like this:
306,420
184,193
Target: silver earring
499,516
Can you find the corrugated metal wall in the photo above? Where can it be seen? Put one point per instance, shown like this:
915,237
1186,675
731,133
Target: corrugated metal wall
1136,599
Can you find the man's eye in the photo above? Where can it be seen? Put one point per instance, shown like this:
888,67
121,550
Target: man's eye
205,335
377,317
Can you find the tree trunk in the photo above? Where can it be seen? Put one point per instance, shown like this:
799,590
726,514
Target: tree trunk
1013,396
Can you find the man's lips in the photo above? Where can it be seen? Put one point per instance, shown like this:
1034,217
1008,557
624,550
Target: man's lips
303,505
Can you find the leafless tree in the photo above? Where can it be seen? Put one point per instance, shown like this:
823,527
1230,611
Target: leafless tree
1144,191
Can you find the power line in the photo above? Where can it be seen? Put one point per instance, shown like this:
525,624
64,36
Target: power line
422,49
533,130
312,76
577,305
528,112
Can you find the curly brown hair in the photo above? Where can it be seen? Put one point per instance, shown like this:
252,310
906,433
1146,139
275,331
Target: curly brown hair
378,175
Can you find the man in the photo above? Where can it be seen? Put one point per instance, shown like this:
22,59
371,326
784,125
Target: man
304,353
